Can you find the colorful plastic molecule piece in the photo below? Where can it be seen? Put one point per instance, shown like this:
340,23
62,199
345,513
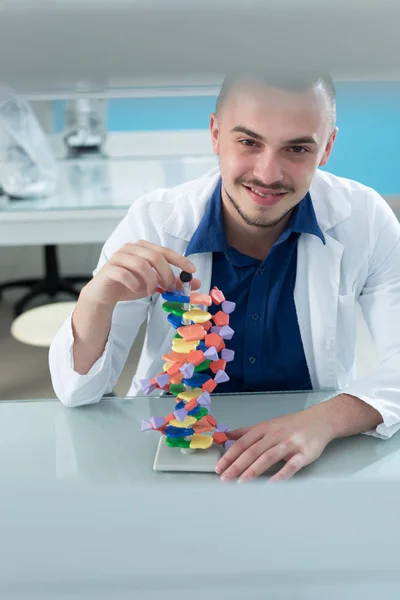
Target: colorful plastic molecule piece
194,367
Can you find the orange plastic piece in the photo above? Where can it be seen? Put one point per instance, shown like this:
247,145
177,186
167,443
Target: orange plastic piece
220,319
191,404
175,357
209,386
219,437
211,420
207,325
162,428
192,333
196,357
169,417
201,299
176,378
217,296
174,370
202,426
217,365
213,339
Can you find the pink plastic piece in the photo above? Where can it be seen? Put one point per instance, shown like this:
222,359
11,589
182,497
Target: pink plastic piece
217,296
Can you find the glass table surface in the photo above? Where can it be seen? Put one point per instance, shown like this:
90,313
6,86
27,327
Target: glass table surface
103,443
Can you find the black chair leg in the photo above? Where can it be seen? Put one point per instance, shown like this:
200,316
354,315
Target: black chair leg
51,285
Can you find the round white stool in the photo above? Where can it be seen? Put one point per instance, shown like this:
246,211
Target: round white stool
38,326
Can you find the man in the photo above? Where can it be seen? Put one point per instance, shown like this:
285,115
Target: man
293,246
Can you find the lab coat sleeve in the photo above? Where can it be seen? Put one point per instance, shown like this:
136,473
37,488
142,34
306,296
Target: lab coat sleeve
380,304
74,389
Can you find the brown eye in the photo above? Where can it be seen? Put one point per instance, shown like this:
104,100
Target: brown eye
249,143
298,149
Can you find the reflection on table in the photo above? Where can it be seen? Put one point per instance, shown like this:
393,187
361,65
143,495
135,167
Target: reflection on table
103,444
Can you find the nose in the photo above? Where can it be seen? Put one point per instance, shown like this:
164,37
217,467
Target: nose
268,168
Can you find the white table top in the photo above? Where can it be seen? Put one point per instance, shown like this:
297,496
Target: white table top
84,516
103,444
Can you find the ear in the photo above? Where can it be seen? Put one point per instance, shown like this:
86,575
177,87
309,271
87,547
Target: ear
328,148
214,128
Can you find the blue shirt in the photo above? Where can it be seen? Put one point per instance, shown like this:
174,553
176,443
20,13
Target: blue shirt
269,354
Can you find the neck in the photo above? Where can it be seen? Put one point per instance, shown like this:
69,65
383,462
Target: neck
249,239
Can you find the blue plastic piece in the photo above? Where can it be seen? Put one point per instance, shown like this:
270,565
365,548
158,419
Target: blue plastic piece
202,346
197,380
175,297
176,432
180,405
175,320
193,413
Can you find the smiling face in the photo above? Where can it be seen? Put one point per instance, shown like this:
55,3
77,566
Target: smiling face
270,142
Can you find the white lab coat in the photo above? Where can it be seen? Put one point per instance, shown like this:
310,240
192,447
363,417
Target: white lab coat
360,262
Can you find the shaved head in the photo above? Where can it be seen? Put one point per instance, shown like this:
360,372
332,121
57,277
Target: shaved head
290,81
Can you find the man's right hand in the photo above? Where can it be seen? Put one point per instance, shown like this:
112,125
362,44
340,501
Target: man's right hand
134,272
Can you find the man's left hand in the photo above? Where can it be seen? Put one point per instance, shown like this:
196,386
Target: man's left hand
298,439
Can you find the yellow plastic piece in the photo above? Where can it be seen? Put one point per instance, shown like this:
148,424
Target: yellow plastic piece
201,442
197,315
189,395
179,345
188,422
167,366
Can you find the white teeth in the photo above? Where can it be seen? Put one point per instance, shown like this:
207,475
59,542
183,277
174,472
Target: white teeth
263,195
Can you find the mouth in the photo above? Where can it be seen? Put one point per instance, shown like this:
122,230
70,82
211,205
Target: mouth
264,198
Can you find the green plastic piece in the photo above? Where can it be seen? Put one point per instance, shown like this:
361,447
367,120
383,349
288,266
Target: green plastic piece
202,413
176,336
203,366
177,442
176,308
176,388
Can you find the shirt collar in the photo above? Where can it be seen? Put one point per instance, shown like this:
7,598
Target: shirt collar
210,235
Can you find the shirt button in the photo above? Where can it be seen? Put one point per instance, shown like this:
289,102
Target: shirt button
252,360
261,270
255,316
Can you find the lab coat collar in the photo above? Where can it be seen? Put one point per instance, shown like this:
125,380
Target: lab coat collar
331,207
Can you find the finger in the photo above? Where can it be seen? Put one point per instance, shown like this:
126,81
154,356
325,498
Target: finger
245,460
139,268
126,278
293,465
158,263
235,434
265,462
237,449
172,257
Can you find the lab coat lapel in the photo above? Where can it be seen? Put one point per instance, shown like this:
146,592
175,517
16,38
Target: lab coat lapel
316,298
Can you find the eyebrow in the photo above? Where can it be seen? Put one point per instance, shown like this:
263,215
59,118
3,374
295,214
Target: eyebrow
300,140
